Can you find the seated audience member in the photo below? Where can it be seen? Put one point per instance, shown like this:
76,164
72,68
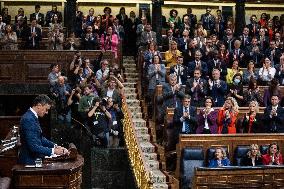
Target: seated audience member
217,88
109,41
115,133
232,71
50,14
185,117
156,75
9,39
139,29
199,64
183,41
217,63
207,118
273,156
196,87
236,89
100,119
280,70
61,92
220,159
20,27
172,54
111,91
249,73
266,73
180,70
39,17
72,43
53,75
55,39
252,120
273,89
253,157
273,117
253,93
255,53
103,73
227,117
253,26
273,53
90,39
147,36
32,36
166,40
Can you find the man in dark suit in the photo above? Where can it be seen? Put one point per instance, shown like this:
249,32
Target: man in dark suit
238,54
185,117
180,70
33,144
217,88
274,117
167,39
49,15
37,15
273,53
280,71
90,18
197,88
245,38
216,63
197,63
32,36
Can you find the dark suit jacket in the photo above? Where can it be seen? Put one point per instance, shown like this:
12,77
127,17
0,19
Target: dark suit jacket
191,67
182,74
29,40
221,66
256,125
218,93
168,96
178,113
165,43
274,124
40,20
246,161
198,95
213,163
233,55
33,144
49,15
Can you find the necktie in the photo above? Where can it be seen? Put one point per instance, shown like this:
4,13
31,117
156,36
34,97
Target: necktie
187,129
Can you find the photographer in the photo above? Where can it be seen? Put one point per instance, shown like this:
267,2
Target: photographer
99,121
116,124
73,102
112,91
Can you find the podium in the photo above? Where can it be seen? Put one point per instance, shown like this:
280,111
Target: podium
65,174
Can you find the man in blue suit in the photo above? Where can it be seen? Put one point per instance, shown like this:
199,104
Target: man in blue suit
33,144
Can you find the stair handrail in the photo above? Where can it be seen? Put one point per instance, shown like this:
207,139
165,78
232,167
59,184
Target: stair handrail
138,163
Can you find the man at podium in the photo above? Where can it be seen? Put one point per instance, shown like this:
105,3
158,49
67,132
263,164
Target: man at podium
33,144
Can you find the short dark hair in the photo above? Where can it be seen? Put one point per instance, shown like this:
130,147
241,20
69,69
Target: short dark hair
41,99
37,6
53,65
186,97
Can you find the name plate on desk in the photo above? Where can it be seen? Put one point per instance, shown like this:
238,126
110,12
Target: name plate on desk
62,174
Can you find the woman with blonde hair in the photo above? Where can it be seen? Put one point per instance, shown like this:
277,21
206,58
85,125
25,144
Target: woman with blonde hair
172,54
227,116
220,159
253,157
252,119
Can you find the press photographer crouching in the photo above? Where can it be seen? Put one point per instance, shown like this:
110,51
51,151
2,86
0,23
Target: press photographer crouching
99,120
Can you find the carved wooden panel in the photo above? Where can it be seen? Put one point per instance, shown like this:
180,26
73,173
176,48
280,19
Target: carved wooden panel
6,71
37,71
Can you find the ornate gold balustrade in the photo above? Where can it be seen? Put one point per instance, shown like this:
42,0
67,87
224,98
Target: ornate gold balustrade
141,173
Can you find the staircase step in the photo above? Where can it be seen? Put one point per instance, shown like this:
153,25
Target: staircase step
128,63
139,122
128,57
130,85
130,69
152,164
160,186
131,75
132,102
130,96
150,156
157,176
134,80
147,147
135,109
137,115
144,138
130,90
141,131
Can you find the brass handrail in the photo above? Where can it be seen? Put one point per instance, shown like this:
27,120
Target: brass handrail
140,170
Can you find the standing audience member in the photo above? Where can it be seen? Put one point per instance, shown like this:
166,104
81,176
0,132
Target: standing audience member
103,73
56,39
227,117
10,39
273,89
107,19
39,17
90,39
53,75
208,21
252,120
109,41
172,54
21,13
267,72
32,36
6,16
273,156
198,64
207,118
50,14
185,117
180,70
273,117
217,88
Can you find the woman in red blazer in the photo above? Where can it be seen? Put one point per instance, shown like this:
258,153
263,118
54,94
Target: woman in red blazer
273,156
227,117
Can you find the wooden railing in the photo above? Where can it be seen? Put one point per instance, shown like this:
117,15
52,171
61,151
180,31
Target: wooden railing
140,170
